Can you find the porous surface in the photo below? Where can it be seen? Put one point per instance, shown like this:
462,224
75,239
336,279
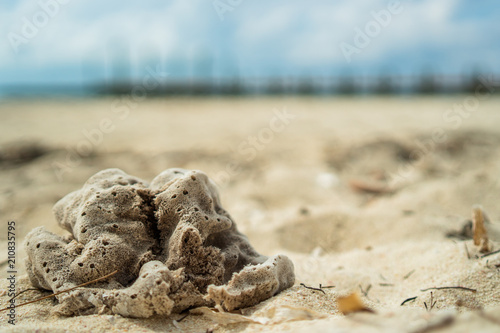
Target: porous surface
172,243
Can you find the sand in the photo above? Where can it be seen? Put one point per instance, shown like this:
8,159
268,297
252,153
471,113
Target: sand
291,172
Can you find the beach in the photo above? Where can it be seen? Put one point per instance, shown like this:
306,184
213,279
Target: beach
367,195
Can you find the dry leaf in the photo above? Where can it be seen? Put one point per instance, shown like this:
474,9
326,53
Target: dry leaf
351,303
371,188
479,230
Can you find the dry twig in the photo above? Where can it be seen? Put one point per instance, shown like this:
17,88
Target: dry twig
491,253
370,188
312,288
63,291
408,275
431,304
325,287
21,292
454,287
365,292
408,300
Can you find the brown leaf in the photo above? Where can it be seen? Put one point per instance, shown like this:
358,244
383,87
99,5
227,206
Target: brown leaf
351,303
479,230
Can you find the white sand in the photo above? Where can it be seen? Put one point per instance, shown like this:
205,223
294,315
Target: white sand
292,197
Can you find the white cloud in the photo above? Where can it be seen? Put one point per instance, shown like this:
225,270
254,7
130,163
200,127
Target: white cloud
303,34
69,37
260,36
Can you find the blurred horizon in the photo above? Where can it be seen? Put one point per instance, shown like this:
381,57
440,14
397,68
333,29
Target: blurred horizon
223,47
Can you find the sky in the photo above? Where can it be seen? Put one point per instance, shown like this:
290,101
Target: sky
77,41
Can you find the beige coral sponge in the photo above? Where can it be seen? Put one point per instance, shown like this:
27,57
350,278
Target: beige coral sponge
172,243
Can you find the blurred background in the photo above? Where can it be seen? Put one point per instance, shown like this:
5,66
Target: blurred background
324,124
238,47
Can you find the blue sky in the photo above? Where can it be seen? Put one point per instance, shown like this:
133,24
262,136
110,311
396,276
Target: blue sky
77,41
